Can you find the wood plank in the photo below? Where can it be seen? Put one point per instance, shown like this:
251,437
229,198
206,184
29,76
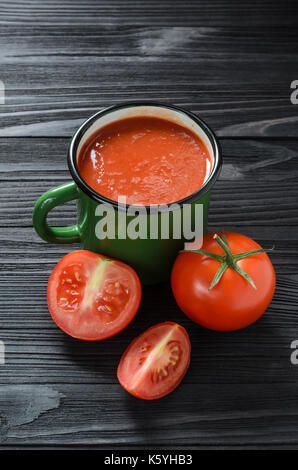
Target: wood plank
237,78
194,416
159,12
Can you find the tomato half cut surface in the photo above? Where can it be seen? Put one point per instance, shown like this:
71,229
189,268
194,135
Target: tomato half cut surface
154,364
92,297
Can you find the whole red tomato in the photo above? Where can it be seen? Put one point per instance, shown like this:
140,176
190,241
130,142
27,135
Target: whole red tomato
226,285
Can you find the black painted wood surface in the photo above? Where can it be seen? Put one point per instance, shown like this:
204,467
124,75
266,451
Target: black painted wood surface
232,64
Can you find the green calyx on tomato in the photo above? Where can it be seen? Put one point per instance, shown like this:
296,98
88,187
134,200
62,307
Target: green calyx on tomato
228,260
233,303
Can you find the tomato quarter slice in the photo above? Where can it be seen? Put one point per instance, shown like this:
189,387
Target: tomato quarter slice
92,297
154,364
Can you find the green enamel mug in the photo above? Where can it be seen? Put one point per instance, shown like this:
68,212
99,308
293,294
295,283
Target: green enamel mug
152,256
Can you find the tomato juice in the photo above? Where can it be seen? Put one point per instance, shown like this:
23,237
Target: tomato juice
147,159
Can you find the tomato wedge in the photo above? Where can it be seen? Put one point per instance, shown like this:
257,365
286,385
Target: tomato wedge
154,364
92,297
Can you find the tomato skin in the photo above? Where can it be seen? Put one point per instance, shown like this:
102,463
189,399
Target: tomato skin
233,303
138,377
86,323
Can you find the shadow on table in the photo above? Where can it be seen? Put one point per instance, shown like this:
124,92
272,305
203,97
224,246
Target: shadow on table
235,385
100,359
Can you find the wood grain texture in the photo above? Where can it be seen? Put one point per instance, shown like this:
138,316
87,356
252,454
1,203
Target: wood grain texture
236,77
241,388
232,63
101,415
159,12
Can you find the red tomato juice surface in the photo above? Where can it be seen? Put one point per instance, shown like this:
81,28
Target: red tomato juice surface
147,159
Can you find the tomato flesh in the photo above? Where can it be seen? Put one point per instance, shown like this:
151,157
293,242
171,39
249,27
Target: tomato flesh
92,297
155,362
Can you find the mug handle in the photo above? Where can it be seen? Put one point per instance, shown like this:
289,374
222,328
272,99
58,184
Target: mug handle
52,198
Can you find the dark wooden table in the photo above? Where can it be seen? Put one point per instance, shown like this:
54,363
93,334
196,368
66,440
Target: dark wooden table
232,63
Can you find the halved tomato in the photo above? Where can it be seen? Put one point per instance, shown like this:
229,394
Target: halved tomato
154,364
92,297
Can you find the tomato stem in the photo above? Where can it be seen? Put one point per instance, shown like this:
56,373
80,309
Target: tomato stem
228,260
